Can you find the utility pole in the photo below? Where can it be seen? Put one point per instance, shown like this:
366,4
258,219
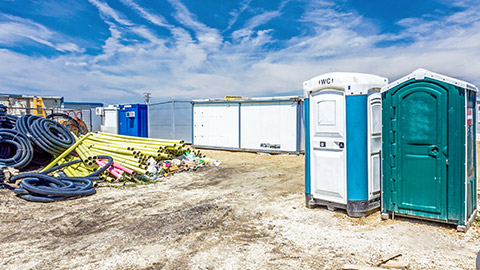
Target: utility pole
147,96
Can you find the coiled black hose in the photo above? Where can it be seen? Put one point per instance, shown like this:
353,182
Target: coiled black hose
2,177
67,117
46,134
3,112
16,150
38,187
9,121
6,120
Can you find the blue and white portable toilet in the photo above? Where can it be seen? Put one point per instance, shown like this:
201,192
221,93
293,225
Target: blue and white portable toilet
343,141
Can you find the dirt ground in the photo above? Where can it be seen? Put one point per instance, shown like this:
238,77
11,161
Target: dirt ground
249,213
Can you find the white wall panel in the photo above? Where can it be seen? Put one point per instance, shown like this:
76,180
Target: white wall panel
216,124
269,126
110,120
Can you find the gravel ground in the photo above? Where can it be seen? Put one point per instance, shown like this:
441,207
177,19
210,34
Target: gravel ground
249,213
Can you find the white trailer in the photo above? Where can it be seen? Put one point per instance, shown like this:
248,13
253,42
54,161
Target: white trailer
272,124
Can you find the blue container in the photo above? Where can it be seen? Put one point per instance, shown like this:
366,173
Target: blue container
343,141
133,120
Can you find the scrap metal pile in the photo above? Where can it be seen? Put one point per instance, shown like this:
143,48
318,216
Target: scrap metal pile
75,163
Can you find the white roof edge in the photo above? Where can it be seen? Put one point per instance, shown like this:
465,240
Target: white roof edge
277,98
421,73
350,82
30,96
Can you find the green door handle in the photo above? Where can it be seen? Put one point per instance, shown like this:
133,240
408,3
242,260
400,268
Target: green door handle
433,151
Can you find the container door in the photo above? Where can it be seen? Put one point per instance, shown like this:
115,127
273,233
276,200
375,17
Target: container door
420,150
374,145
471,172
327,147
269,126
122,122
216,125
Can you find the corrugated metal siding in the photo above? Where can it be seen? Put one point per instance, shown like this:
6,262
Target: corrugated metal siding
86,113
170,120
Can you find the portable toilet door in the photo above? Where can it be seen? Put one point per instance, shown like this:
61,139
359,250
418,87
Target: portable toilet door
429,149
343,141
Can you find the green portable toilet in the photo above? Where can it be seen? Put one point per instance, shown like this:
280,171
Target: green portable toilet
429,149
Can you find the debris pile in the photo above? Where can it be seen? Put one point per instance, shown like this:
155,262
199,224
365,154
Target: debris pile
137,159
75,163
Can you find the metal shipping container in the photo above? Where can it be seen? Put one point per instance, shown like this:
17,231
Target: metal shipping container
343,141
133,120
216,123
259,124
171,120
429,149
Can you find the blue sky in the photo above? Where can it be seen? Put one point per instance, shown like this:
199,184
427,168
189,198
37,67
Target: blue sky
113,51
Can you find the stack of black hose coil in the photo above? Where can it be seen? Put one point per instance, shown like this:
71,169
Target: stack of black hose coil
40,187
2,177
31,139
16,150
46,134
6,120
3,113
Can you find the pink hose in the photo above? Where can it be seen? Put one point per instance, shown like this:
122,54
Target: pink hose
113,171
120,167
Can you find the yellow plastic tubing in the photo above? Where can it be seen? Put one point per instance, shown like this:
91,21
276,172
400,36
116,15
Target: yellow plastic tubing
64,154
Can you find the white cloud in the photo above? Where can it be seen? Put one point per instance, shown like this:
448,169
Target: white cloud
261,37
209,38
76,64
206,65
15,30
261,19
113,44
69,47
184,16
179,34
237,12
107,11
153,18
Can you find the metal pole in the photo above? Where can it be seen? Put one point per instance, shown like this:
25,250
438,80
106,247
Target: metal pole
173,120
